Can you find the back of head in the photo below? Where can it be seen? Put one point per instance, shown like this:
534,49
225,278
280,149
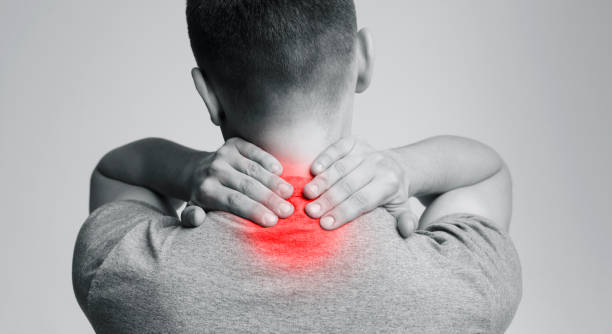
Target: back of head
258,52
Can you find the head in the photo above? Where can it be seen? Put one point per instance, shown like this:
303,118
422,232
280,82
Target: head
281,74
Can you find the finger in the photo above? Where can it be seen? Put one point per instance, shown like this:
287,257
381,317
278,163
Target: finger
339,169
265,159
341,190
256,191
364,200
193,216
407,223
213,195
239,204
269,180
334,152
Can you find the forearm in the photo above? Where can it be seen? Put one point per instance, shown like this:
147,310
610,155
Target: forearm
153,163
440,164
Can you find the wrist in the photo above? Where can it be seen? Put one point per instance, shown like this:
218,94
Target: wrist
188,178
412,177
407,172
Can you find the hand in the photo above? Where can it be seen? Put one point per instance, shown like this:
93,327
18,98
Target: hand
351,178
239,178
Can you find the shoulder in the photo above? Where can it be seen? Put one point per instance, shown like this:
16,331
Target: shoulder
100,234
482,253
473,241
470,231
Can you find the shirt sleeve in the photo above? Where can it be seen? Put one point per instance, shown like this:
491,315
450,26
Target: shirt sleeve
99,235
478,252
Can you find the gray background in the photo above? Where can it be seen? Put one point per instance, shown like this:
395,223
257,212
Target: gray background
530,78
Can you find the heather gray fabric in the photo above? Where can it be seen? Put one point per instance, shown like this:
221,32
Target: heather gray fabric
137,271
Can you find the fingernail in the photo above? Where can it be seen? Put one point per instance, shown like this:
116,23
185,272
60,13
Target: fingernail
276,169
285,208
314,208
317,167
327,222
269,219
313,189
286,190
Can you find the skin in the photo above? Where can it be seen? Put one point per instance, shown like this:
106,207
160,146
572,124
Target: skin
352,178
447,174
238,177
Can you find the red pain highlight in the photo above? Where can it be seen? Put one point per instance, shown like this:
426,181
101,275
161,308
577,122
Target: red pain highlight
296,242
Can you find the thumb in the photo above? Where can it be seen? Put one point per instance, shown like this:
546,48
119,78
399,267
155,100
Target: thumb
192,216
407,223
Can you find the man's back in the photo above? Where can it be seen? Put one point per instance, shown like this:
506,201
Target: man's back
136,270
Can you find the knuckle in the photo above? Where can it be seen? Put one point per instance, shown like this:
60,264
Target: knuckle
273,181
222,152
359,201
340,167
248,150
346,188
322,180
342,213
326,202
251,169
392,179
334,150
267,182
246,185
207,186
347,144
269,162
234,200
216,166
270,199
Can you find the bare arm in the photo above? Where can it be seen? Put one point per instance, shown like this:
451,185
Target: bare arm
451,174
238,178
151,170
448,174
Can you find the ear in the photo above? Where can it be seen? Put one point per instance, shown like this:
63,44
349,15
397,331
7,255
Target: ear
208,95
365,60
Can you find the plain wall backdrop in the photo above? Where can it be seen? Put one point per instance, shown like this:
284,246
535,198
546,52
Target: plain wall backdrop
533,79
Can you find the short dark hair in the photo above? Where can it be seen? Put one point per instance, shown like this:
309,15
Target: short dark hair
284,42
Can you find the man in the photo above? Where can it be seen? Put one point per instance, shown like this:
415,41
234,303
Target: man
297,222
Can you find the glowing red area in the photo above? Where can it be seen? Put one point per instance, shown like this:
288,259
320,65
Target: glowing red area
297,241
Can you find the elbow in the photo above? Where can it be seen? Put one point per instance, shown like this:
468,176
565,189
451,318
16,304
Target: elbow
104,163
114,161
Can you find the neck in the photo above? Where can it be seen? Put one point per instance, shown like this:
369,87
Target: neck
296,140
296,146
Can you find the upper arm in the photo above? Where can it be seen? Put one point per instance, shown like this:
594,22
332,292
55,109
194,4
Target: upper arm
491,198
479,260
99,235
105,190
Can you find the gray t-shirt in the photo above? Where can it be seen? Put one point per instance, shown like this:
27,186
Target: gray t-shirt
136,270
